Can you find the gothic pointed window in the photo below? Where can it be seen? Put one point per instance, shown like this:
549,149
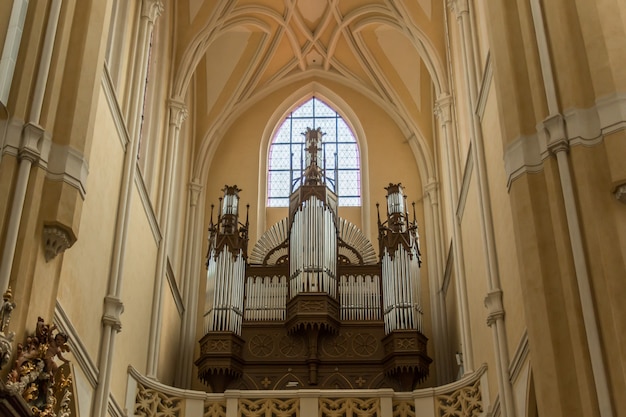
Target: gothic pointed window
340,155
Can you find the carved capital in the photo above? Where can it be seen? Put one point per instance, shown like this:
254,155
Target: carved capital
152,9
32,142
57,238
194,192
620,193
459,7
495,308
443,109
431,189
113,309
178,112
556,135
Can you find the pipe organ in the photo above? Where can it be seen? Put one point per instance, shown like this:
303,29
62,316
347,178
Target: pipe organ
313,306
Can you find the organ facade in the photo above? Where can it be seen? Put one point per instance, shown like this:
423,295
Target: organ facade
313,306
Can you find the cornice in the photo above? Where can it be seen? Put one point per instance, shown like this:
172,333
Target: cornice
575,127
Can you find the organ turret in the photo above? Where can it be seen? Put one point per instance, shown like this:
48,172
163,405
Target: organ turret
313,306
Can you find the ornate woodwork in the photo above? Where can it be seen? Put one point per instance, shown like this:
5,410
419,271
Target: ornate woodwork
313,306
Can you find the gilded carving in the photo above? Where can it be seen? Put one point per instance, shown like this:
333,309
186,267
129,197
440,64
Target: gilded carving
45,386
6,337
464,402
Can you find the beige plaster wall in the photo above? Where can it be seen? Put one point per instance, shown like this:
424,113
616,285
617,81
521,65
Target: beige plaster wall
508,263
170,338
85,268
476,280
137,288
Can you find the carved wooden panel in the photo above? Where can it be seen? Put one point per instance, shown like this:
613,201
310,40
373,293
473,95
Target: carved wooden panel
404,408
349,407
152,403
269,407
214,409
464,402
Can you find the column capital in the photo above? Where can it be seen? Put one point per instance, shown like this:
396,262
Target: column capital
194,191
431,188
460,7
152,9
495,308
178,112
33,141
556,135
113,308
443,109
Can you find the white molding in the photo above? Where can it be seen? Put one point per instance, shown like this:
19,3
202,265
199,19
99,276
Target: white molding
467,179
585,127
114,408
172,391
519,357
485,85
68,165
147,207
469,379
171,279
61,162
114,105
78,349
11,47
523,156
466,380
494,409
447,274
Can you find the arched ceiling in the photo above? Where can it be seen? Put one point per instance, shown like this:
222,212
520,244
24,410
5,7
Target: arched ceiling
238,51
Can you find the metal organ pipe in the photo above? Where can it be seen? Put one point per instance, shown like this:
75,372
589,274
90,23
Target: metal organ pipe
227,273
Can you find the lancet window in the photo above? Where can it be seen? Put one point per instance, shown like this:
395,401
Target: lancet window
339,155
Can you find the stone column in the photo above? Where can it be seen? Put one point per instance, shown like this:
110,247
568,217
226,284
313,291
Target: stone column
461,9
190,288
178,114
443,112
113,306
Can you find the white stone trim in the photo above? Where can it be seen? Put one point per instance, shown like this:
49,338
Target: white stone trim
519,357
171,279
465,184
147,207
586,127
61,162
108,88
485,86
68,165
447,274
78,349
11,47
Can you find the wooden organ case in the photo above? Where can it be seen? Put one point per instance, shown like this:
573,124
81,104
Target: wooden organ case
313,306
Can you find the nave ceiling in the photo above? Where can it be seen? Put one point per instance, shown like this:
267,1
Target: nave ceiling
391,51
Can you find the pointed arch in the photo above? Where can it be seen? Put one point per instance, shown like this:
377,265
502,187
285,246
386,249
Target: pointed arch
294,100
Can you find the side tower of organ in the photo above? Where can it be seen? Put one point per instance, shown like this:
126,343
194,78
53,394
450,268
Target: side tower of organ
313,306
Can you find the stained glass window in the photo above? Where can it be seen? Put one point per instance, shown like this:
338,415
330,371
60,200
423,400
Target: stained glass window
339,149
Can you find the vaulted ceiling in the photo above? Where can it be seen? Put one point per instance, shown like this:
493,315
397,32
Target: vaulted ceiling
235,52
